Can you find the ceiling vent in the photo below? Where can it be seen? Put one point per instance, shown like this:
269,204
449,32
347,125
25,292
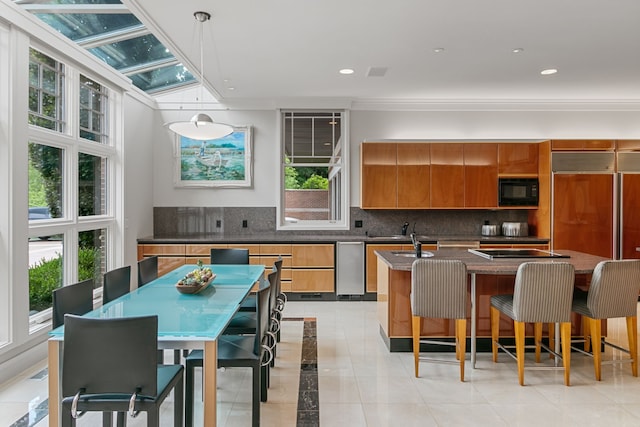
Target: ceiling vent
376,71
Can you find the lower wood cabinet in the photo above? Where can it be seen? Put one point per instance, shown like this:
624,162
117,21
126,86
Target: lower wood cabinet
306,268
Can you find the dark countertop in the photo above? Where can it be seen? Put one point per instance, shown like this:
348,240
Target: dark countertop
292,237
583,263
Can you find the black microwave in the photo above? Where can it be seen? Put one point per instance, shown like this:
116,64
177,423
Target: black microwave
518,192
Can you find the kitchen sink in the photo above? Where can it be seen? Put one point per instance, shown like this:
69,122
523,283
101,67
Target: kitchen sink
425,254
394,237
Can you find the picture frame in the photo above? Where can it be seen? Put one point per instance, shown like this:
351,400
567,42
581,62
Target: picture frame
222,162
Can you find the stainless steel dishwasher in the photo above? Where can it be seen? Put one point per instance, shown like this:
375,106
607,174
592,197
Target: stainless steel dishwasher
349,268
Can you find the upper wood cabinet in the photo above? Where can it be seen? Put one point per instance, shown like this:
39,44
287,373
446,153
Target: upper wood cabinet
378,182
414,175
518,158
447,175
628,145
582,144
480,175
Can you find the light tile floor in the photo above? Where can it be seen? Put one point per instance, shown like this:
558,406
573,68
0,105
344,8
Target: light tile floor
362,384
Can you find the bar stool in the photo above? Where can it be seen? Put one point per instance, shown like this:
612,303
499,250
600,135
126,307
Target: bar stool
613,292
439,290
543,294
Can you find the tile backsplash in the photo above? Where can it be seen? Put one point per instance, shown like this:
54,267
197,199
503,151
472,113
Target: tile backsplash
194,221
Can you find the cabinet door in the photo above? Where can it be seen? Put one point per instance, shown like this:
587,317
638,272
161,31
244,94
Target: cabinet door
378,180
312,280
414,175
321,255
481,175
628,145
583,213
518,159
582,144
372,264
447,175
630,216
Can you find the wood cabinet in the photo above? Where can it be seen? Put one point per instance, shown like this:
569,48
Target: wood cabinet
378,183
480,175
518,159
414,175
630,216
371,260
628,145
447,175
305,268
582,144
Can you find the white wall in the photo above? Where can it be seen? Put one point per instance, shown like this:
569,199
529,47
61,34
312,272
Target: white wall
379,125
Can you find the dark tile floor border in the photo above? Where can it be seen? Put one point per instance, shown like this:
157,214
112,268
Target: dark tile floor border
308,413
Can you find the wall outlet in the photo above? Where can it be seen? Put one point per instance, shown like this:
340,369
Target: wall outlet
358,223
244,223
218,223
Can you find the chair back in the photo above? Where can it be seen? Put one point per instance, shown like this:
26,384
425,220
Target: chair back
614,289
263,314
72,299
116,283
275,286
229,256
543,292
147,270
112,356
439,289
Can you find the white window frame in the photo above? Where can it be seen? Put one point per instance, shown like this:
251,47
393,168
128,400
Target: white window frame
343,198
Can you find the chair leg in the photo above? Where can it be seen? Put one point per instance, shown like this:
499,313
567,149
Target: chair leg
415,331
255,396
189,371
461,343
552,338
596,343
107,418
632,332
586,334
537,337
495,332
178,403
153,417
121,419
565,342
519,332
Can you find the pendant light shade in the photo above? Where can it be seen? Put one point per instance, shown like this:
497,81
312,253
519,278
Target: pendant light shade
201,126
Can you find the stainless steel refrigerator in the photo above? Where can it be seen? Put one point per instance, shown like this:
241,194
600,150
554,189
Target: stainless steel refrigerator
596,203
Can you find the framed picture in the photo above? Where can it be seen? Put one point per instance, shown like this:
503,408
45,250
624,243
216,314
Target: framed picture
222,162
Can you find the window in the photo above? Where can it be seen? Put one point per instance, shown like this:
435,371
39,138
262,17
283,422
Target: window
93,111
70,178
46,83
313,170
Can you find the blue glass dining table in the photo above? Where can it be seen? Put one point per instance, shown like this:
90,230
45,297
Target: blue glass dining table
185,321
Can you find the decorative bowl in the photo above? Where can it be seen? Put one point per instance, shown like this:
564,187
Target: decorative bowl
196,280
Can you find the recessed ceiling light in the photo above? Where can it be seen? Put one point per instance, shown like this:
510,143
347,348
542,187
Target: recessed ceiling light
518,50
231,88
346,71
548,71
438,49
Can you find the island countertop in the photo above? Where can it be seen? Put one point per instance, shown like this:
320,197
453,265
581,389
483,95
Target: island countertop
396,260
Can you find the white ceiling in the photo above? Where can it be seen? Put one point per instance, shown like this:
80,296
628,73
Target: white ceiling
288,52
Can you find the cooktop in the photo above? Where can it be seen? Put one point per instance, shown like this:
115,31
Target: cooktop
516,253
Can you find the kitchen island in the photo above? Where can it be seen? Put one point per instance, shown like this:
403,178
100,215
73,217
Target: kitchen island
487,277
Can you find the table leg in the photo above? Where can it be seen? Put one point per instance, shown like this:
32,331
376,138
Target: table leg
473,320
53,365
210,366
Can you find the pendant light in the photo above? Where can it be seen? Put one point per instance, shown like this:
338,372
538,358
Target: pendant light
201,126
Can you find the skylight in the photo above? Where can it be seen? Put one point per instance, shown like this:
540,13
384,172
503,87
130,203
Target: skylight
108,30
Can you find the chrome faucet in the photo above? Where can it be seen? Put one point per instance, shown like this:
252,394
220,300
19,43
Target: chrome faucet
417,246
404,228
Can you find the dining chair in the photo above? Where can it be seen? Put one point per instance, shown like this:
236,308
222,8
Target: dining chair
439,290
71,299
116,283
229,256
147,270
100,374
239,351
543,293
613,292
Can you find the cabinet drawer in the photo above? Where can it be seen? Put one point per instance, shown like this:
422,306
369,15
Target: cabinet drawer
163,250
312,280
275,250
167,264
202,249
253,249
268,260
312,255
